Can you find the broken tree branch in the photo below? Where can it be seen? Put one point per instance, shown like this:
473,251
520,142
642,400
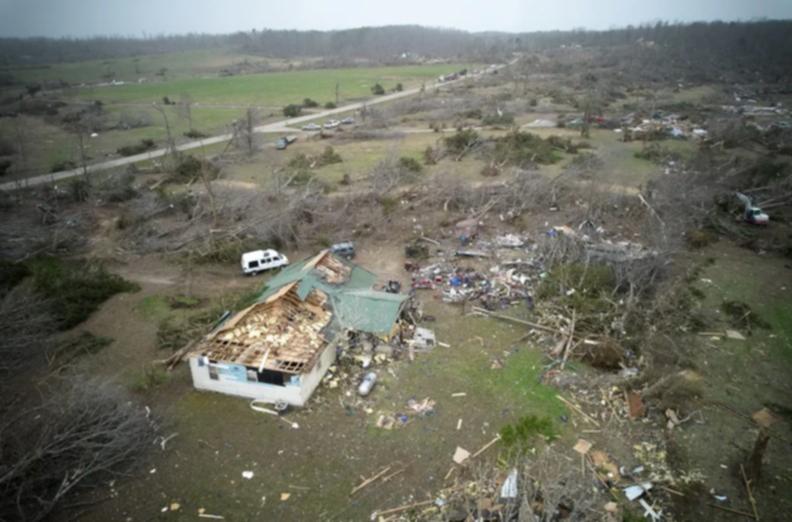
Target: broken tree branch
751,498
399,509
369,480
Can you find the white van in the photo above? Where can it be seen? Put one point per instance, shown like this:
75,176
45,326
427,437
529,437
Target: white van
261,260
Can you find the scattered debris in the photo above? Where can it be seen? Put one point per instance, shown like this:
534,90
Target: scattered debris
460,455
509,488
370,480
367,384
635,405
582,446
247,475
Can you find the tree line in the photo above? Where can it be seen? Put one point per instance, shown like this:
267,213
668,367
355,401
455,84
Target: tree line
769,40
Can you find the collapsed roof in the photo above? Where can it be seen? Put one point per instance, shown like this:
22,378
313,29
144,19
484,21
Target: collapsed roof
299,312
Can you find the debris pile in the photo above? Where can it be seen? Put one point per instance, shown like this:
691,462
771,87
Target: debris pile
660,126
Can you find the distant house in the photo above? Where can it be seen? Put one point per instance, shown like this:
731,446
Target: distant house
279,348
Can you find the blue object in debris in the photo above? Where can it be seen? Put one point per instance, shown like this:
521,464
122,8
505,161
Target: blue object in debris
552,233
455,281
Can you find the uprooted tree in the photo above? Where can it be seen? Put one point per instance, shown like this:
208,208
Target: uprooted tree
83,432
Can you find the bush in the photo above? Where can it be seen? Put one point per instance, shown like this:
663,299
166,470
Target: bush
195,134
292,110
309,103
428,156
503,118
63,165
410,164
190,168
145,144
75,288
377,90
329,105
328,157
399,87
519,437
700,237
299,161
474,114
460,141
524,148
136,120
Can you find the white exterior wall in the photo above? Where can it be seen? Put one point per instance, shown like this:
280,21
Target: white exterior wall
232,380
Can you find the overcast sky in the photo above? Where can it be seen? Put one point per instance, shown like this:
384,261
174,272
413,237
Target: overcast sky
154,17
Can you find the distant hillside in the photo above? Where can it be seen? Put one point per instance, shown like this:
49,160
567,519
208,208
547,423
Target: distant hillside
758,46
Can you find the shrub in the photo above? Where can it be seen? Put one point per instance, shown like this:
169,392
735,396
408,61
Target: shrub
460,141
63,165
136,120
292,110
309,103
328,157
299,161
474,114
700,237
190,167
523,148
195,134
428,156
503,118
150,377
377,90
399,87
75,288
145,144
519,437
329,105
742,316
410,164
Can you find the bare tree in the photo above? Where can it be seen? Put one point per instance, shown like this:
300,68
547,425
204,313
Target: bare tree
185,109
171,143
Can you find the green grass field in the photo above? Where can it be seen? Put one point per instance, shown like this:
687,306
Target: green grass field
218,100
271,89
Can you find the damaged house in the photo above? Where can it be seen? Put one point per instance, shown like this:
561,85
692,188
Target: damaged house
279,348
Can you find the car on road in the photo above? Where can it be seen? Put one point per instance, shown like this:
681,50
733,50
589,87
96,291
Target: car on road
349,120
311,127
331,124
284,142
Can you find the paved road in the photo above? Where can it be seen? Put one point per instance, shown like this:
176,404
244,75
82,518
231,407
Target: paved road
278,126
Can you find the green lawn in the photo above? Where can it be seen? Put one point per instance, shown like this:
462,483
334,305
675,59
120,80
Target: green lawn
272,89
